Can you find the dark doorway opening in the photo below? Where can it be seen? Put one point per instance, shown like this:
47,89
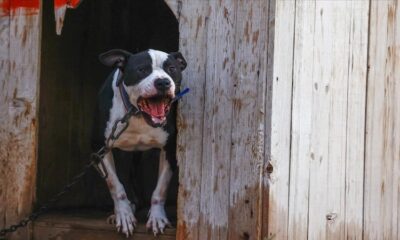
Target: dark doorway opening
71,76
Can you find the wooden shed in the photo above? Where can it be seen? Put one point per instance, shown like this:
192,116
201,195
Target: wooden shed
291,130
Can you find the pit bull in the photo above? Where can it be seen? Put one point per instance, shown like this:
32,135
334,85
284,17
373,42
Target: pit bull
147,82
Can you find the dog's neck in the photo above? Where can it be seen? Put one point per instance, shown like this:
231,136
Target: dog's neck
122,91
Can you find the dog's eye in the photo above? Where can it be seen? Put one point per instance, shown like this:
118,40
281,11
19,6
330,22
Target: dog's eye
172,69
143,70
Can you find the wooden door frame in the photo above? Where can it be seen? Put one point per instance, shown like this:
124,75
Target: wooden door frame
20,28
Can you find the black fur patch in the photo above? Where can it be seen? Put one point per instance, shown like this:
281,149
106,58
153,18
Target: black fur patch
102,113
139,67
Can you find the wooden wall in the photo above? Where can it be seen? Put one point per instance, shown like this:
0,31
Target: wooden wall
221,146
19,78
382,139
330,127
335,121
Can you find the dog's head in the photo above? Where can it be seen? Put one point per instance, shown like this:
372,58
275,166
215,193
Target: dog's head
151,79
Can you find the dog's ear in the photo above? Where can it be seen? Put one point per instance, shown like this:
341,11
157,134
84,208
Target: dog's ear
115,58
181,60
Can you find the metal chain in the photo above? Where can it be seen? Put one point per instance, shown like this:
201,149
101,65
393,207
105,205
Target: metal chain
95,159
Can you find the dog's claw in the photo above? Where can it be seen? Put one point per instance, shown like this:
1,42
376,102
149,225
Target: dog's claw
157,220
111,219
124,220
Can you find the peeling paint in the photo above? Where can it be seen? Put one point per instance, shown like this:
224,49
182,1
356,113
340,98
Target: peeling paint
13,7
60,8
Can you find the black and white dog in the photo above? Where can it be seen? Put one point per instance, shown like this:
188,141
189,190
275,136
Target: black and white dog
147,81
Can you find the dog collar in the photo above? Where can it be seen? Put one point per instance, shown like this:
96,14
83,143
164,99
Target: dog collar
125,97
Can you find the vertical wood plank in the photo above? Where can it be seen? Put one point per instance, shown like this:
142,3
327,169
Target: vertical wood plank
356,104
382,167
279,156
301,120
218,108
4,116
249,81
18,106
193,21
266,168
221,137
328,102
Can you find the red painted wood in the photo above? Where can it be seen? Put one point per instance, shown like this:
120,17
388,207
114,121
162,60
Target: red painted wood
68,3
9,7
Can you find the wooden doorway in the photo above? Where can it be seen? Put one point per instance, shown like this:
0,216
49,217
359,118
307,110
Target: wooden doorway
71,76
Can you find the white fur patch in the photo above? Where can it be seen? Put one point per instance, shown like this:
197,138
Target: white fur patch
158,57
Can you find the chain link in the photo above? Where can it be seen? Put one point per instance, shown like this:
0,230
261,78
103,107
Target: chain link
96,158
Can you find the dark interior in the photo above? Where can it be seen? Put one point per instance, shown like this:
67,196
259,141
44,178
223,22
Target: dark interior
71,76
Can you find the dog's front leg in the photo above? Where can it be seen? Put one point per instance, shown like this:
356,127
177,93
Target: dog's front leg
123,209
157,217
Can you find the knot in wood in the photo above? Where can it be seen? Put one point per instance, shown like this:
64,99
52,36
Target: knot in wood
331,216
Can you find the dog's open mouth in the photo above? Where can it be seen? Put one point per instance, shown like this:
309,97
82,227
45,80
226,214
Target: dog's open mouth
155,109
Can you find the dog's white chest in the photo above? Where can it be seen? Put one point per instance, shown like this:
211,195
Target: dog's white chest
139,136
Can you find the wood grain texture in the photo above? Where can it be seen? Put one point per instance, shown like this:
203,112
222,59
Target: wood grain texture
193,23
280,135
20,34
356,78
301,110
87,226
217,130
326,172
4,116
248,126
222,131
267,168
382,167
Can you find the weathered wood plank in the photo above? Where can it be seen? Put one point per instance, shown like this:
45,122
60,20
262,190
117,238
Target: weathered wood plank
266,168
248,128
4,116
60,8
301,120
356,103
328,83
230,114
226,117
218,109
328,129
336,47
382,167
193,44
87,226
280,135
19,93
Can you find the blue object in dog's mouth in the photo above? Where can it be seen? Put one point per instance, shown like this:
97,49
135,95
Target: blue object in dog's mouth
181,94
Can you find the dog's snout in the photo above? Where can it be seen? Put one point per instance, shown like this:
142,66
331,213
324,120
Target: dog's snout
162,84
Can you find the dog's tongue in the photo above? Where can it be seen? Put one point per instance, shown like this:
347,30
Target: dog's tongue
157,109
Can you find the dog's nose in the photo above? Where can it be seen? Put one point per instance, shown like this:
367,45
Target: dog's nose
162,84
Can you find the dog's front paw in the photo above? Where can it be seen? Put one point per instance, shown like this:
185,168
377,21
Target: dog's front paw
157,219
123,218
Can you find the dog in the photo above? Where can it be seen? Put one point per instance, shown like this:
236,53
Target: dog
148,82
